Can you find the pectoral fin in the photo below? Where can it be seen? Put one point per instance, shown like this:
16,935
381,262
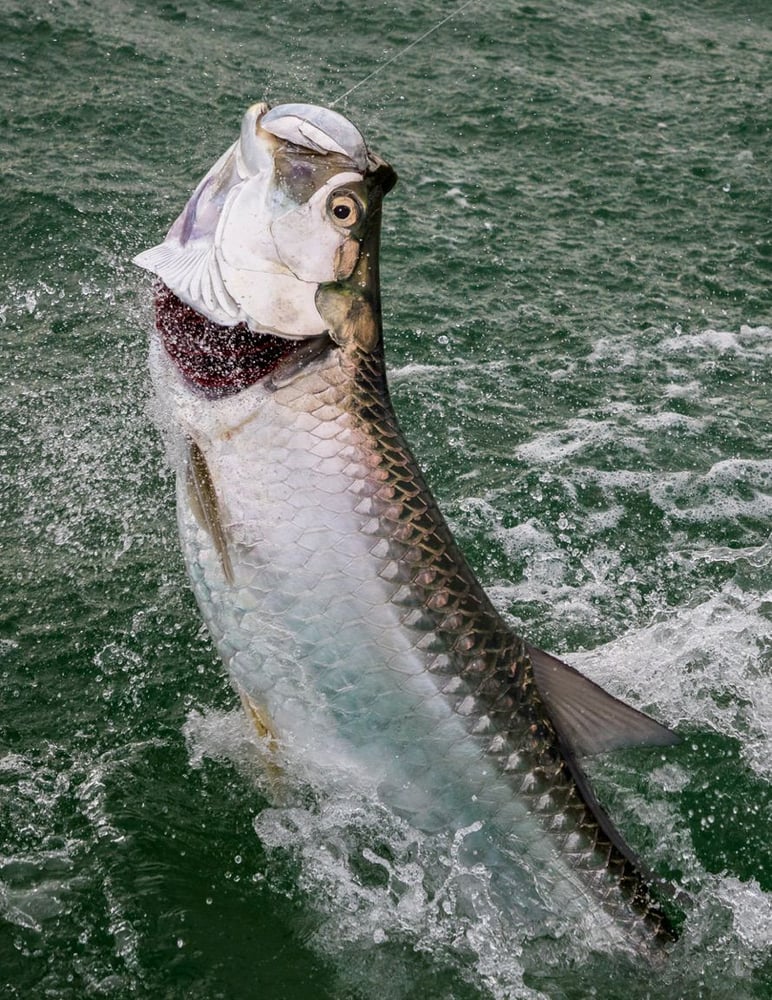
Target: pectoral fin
259,718
588,719
266,731
203,503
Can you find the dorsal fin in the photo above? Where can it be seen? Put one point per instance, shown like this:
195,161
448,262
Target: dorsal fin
588,719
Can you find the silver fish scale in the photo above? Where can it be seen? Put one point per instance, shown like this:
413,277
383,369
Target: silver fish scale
469,640
343,561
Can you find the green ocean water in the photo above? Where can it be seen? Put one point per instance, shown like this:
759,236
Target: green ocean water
575,274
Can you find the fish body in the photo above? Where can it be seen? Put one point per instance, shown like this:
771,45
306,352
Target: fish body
326,574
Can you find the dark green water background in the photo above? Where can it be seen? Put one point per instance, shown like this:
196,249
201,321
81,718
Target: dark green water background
575,271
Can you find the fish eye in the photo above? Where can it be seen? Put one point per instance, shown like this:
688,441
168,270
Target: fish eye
345,209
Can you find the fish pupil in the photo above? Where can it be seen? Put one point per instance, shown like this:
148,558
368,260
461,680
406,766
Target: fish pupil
342,211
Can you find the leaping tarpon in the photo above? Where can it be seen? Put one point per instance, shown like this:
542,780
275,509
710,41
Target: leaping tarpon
347,617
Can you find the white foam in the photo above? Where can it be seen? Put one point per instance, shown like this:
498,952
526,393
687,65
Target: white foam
699,666
380,890
669,421
749,341
575,438
382,894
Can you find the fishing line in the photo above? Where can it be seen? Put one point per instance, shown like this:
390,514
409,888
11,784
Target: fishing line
401,52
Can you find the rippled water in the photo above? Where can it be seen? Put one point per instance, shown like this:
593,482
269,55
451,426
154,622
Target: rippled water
576,275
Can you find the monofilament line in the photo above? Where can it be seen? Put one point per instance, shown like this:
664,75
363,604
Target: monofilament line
401,52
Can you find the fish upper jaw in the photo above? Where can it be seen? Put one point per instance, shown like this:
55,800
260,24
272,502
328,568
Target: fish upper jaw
317,129
258,238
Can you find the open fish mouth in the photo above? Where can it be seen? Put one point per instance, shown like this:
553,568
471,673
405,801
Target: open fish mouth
323,567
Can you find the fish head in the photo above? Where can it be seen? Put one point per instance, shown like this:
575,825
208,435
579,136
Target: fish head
282,233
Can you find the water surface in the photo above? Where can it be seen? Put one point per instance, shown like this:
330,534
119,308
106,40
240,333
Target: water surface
575,280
